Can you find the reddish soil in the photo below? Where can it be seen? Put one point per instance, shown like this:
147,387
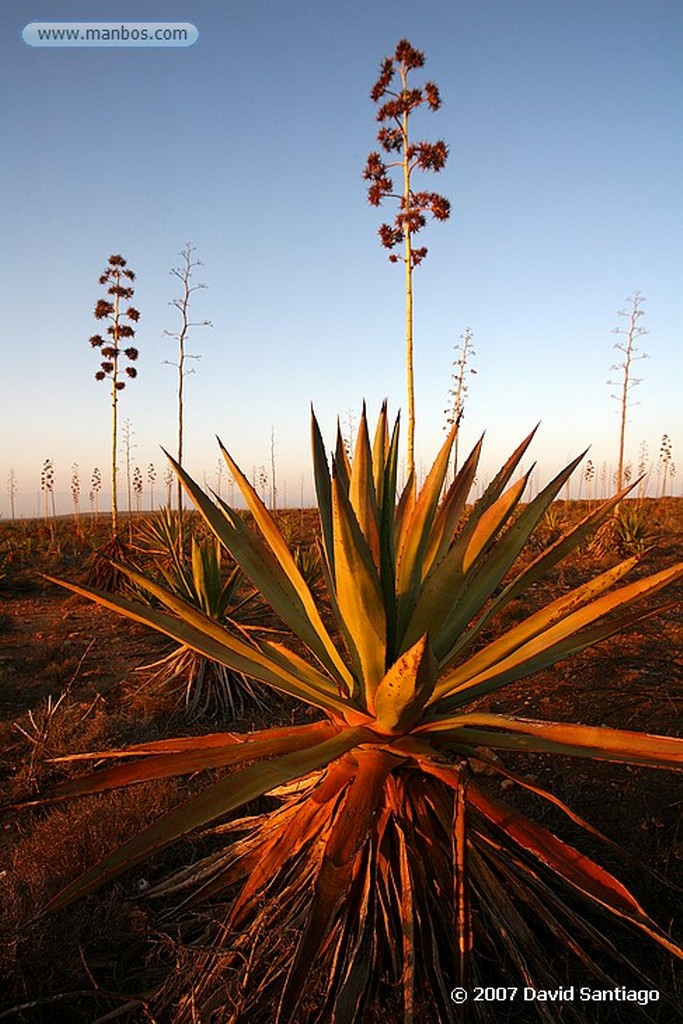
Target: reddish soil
52,642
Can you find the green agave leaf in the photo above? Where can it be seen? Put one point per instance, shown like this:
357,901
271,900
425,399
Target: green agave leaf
492,521
539,566
404,507
290,662
199,756
495,652
497,485
451,509
437,607
380,454
180,579
388,541
323,490
414,535
403,691
341,461
314,634
358,593
204,580
500,732
486,577
570,646
216,801
443,580
228,600
270,566
362,490
214,641
565,637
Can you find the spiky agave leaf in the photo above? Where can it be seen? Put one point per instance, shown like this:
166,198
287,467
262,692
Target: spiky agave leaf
197,685
390,834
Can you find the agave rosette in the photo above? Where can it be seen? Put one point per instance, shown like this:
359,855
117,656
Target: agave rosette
393,850
202,687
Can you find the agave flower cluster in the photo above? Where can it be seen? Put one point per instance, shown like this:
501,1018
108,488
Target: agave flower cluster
116,274
394,113
395,851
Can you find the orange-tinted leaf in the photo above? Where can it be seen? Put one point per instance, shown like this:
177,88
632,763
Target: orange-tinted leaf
214,802
199,756
500,732
574,867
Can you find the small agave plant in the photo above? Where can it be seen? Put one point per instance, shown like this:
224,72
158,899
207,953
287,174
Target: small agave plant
202,686
396,853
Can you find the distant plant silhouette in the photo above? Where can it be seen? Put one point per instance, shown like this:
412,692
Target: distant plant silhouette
137,488
644,469
168,484
126,448
458,392
95,488
12,490
589,476
631,333
182,304
273,477
262,482
350,433
393,137
151,478
47,484
220,469
667,467
603,479
75,490
119,278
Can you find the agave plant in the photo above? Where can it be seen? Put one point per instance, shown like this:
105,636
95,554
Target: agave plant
631,530
202,686
397,852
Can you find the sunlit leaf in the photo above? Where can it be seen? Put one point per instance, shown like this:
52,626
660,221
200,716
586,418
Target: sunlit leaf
214,641
358,593
214,802
405,688
501,732
362,490
200,755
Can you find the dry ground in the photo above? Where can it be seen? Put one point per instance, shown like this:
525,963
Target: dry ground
67,683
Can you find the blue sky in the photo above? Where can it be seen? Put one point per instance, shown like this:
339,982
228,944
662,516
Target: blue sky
564,127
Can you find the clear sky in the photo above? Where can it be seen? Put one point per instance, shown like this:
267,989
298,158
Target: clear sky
564,122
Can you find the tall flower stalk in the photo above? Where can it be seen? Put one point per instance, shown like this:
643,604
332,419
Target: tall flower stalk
47,486
182,304
394,114
627,346
459,390
12,490
119,278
